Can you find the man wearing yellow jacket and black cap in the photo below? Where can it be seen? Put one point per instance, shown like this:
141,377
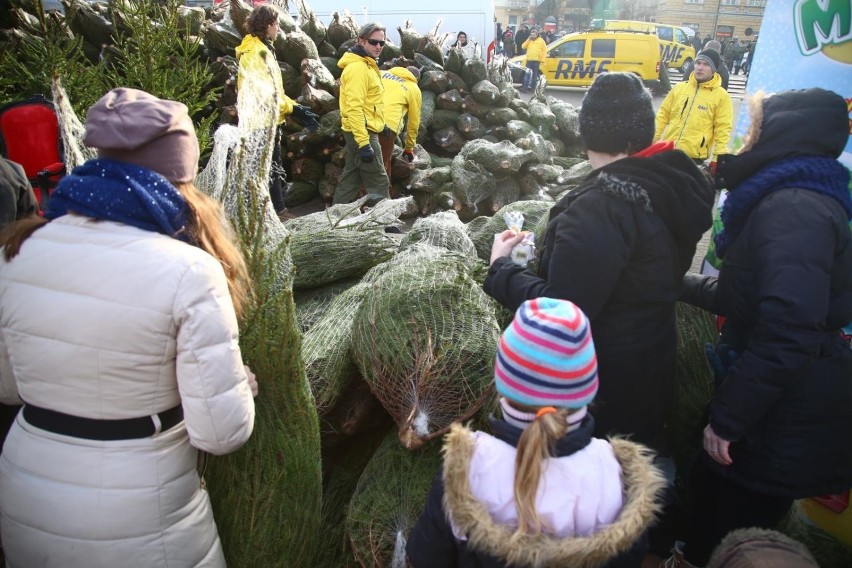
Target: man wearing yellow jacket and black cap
362,116
402,99
697,114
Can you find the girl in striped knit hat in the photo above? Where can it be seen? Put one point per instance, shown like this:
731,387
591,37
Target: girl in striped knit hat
540,491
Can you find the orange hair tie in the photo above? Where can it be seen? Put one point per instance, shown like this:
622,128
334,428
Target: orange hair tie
544,410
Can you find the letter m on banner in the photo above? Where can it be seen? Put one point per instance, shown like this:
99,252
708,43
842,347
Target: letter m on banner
821,22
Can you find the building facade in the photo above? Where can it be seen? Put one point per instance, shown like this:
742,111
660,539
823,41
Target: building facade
512,13
722,19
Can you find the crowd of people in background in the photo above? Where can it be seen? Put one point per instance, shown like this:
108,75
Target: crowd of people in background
137,368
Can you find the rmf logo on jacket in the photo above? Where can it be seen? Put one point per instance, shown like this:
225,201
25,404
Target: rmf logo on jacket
392,77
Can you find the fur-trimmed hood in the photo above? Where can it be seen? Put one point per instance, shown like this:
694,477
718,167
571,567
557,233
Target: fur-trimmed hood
643,485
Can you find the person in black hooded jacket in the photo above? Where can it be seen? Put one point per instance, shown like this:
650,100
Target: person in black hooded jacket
780,421
618,247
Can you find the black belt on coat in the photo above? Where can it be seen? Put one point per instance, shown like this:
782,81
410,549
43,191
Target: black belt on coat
100,429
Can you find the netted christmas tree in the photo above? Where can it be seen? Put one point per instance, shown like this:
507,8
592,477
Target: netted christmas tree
267,497
425,339
388,500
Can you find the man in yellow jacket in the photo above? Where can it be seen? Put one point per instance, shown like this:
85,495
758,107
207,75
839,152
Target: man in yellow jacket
697,114
403,99
362,117
536,55
259,87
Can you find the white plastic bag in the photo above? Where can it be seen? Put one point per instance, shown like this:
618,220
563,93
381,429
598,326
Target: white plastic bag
523,252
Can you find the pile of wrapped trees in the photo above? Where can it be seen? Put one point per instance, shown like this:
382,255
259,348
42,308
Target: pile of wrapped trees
397,338
480,146
475,131
399,343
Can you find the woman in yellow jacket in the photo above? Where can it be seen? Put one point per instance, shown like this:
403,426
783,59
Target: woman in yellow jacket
259,85
536,54
362,117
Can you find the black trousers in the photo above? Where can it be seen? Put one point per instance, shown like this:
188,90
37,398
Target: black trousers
276,175
720,505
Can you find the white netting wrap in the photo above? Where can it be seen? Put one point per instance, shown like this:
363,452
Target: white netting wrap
238,171
311,305
473,183
388,500
425,339
386,213
326,255
501,158
327,348
442,229
541,149
71,129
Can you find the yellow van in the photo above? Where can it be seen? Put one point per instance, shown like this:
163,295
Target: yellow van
675,48
576,59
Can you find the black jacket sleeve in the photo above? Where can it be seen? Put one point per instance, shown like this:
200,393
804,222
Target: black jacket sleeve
592,242
793,245
700,291
17,199
431,541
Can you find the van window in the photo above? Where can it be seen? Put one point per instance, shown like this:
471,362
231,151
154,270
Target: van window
680,36
574,48
603,48
664,33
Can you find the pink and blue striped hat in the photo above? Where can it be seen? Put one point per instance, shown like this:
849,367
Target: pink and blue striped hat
546,356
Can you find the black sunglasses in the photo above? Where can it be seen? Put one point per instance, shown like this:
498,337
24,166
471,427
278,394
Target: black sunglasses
376,42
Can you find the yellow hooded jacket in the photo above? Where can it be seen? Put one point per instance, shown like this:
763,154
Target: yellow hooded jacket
402,96
536,49
361,97
259,69
697,117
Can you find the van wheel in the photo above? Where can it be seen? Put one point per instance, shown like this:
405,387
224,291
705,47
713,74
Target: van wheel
686,67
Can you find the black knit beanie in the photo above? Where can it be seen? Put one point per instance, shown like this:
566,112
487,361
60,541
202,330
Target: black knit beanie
617,115
710,57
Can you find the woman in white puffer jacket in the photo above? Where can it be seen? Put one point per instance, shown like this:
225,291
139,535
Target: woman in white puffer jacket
118,332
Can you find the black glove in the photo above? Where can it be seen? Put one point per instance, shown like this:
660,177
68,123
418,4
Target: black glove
366,153
409,155
306,117
721,359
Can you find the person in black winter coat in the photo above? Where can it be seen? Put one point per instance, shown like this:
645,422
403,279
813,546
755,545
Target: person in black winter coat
780,421
17,199
696,43
541,491
618,247
520,37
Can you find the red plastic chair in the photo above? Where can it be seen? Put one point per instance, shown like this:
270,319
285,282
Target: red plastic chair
29,135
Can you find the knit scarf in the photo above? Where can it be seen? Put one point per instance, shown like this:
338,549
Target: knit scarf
822,175
121,192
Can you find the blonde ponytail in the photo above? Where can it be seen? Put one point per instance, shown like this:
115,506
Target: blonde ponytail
534,447
211,231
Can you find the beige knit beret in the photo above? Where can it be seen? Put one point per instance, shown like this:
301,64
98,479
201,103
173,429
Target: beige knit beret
133,126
